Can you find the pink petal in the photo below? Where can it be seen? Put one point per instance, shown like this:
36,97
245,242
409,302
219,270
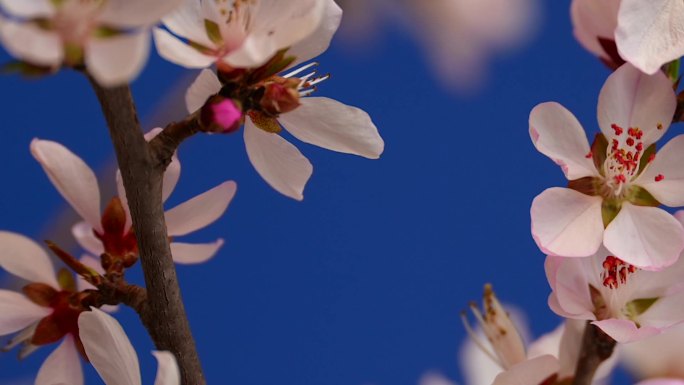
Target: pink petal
28,42
432,378
117,60
108,348
179,52
650,33
662,381
656,356
593,20
571,289
280,163
26,259
167,370
532,371
332,125
318,41
187,22
71,177
136,13
28,8
630,98
646,237
666,312
206,85
566,222
624,331
83,233
557,134
201,210
18,312
63,366
664,177
192,253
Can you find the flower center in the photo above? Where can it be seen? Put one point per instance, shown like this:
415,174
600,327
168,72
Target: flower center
615,272
75,20
622,162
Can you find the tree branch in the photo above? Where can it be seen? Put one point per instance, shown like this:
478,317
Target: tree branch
166,143
142,170
597,347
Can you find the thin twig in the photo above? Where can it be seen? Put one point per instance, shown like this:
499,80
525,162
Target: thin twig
597,347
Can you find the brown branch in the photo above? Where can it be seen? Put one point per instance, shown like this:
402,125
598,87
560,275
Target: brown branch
166,143
142,171
597,347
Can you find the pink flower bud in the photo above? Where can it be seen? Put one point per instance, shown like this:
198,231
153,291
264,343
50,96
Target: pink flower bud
221,115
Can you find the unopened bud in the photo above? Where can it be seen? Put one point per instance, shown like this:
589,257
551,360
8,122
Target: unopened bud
281,96
221,115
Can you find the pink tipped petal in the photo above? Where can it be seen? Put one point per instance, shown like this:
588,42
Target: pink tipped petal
187,22
533,371
117,60
593,20
108,348
136,13
557,134
650,33
566,222
179,52
646,237
318,41
193,253
201,210
167,370
624,331
63,366
277,25
664,177
18,312
28,8
632,99
83,233
335,126
28,42
280,163
71,177
206,85
574,300
26,259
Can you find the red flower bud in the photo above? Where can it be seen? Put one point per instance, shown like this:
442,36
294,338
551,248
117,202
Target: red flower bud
221,115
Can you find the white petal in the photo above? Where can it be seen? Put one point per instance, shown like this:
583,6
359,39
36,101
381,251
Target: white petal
192,253
108,348
557,134
432,378
201,210
62,367
662,381
26,259
630,98
276,25
28,8
668,164
72,178
176,51
570,287
335,126
624,331
187,22
319,40
646,237
206,85
593,19
28,42
18,312
136,13
567,223
117,60
650,33
533,371
83,233
277,161
167,371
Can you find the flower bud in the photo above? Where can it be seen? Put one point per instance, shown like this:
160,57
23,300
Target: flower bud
280,96
221,115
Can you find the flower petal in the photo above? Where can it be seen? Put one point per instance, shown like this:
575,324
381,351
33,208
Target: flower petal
318,41
167,370
18,312
71,177
83,233
624,331
192,253
280,163
206,85
433,378
664,177
335,126
532,371
593,20
28,9
630,98
176,51
108,348
276,25
662,381
650,33
666,312
136,13
570,288
187,21
201,210
646,237
566,222
114,61
26,259
557,134
63,366
28,42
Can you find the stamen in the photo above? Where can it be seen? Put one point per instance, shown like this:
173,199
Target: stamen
476,340
300,70
659,177
615,272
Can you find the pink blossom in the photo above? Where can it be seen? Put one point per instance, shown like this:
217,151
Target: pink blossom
594,24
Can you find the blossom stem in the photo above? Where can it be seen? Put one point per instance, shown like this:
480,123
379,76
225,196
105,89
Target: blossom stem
597,347
142,169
